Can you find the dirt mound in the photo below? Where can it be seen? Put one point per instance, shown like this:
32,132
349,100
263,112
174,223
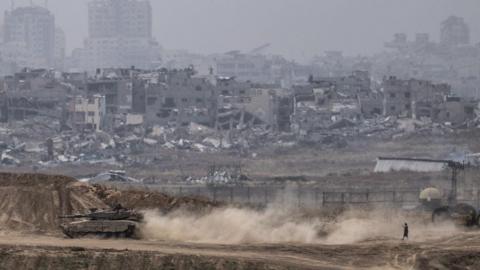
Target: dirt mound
33,202
142,199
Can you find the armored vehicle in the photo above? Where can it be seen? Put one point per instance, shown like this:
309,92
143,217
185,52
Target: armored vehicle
117,222
460,213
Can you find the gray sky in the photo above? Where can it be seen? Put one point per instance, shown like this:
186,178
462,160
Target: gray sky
296,28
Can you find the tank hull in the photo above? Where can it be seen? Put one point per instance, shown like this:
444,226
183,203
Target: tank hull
101,228
460,214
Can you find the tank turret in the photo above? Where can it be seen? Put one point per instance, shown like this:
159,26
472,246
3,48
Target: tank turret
114,214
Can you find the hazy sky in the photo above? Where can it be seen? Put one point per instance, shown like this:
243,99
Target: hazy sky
295,28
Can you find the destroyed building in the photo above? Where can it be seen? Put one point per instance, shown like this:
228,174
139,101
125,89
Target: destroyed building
243,104
77,80
233,98
401,96
31,80
87,113
309,113
33,92
273,106
116,86
285,107
371,104
179,98
455,110
328,103
357,83
139,91
419,99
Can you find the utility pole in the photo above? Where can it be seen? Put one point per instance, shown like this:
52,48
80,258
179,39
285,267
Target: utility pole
455,166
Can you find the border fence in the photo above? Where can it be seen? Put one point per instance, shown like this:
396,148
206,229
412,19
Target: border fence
306,196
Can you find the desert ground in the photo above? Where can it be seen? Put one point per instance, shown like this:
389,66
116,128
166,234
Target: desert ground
459,251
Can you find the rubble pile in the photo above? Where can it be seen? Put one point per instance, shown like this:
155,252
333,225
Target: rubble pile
38,142
230,174
383,128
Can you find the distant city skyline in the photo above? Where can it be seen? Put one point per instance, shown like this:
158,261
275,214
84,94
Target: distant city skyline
297,29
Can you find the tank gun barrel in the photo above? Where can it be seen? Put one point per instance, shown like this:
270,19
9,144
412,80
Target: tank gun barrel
73,216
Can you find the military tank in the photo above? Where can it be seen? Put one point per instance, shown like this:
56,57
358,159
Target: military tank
117,222
459,213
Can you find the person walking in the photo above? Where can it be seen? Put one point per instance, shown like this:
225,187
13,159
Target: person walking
405,231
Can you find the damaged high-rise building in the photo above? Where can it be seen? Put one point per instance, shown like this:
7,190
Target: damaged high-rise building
29,37
454,32
120,35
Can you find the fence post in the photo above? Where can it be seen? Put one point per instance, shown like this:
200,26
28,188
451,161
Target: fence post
283,196
248,194
478,199
298,197
214,194
231,194
265,195
323,198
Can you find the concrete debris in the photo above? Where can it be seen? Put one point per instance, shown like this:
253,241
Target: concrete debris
230,174
212,142
149,141
30,143
7,159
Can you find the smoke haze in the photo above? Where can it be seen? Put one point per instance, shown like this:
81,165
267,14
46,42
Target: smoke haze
296,29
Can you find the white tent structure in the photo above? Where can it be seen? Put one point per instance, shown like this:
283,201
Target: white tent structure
387,164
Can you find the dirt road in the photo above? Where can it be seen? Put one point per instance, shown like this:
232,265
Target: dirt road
457,251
